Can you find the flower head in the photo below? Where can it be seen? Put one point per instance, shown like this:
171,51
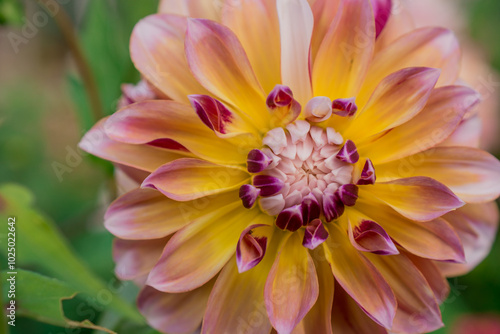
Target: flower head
296,176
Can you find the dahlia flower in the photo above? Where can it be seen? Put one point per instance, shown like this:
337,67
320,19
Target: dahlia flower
292,173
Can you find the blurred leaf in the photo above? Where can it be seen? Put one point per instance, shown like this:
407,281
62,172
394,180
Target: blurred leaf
11,12
105,36
38,242
40,297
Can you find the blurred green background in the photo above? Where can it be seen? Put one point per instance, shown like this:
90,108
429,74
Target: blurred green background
44,110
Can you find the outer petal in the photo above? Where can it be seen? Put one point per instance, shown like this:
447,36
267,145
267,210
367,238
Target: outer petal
382,12
189,179
435,239
467,134
418,310
296,26
476,225
417,198
148,214
396,100
174,312
244,292
157,50
346,51
292,286
145,122
472,174
318,319
433,275
136,258
440,117
197,253
143,157
348,317
257,27
204,9
219,63
359,278
426,47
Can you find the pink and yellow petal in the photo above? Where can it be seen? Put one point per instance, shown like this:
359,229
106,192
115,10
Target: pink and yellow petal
470,173
256,25
219,62
157,50
292,286
174,312
204,9
189,179
147,214
397,99
198,252
148,121
436,122
346,51
359,278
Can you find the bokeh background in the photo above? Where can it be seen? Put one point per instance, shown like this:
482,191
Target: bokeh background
59,73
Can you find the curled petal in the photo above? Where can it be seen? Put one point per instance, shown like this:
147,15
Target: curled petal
249,195
332,206
315,234
211,112
318,109
349,152
283,107
344,107
257,161
268,185
290,219
251,248
368,175
348,194
310,208
369,236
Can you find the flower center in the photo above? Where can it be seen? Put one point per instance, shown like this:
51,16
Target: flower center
304,172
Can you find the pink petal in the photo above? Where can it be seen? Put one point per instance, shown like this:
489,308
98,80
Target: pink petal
146,122
143,157
433,275
192,8
467,134
476,225
296,26
195,254
440,117
293,282
174,312
418,198
315,234
382,11
283,107
189,179
135,258
219,63
359,278
397,99
152,39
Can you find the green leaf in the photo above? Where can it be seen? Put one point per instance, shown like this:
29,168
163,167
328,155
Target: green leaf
41,298
40,244
11,12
